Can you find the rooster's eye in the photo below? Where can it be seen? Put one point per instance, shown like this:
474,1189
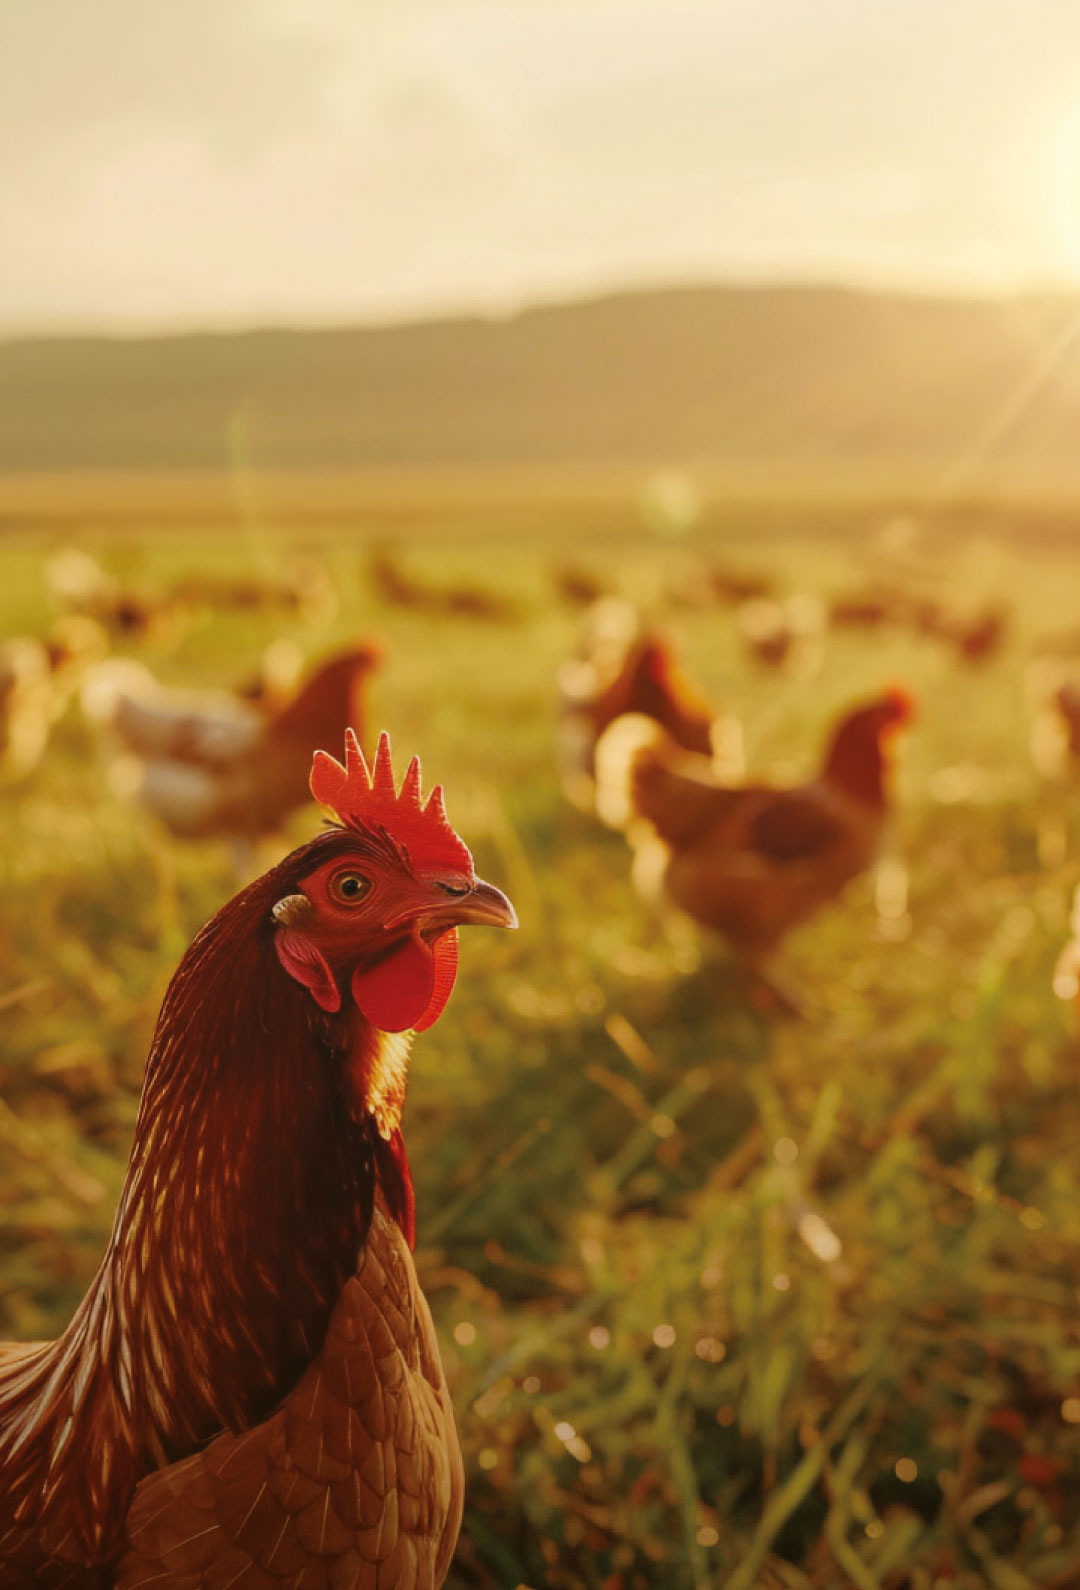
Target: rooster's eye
349,887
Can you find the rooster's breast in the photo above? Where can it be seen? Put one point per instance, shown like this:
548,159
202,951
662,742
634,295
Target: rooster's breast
356,1480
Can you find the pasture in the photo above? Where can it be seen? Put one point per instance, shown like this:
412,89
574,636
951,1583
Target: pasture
723,1301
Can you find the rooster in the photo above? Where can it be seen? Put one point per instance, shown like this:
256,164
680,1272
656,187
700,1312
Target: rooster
258,1292
624,669
210,764
749,863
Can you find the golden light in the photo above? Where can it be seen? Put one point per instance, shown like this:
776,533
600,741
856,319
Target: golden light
1067,188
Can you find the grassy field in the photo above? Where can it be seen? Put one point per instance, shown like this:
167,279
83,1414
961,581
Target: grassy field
722,1302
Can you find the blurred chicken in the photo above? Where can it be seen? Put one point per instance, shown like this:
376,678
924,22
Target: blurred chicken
26,702
209,764
37,678
1067,702
306,590
1066,979
474,601
277,678
979,639
1054,706
974,639
392,585
882,603
739,585
863,610
79,584
782,634
576,586
396,587
709,583
927,616
622,668
749,863
73,643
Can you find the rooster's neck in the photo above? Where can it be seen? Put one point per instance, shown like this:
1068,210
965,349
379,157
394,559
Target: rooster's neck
376,1073
247,1199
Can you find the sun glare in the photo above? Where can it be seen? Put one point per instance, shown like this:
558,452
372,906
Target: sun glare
1067,188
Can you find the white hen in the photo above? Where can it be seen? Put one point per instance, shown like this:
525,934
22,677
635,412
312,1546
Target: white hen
207,763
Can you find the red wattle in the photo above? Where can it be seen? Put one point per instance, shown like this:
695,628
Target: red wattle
409,987
445,953
394,993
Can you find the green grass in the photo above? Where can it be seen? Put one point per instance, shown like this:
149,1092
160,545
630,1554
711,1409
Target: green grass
665,1372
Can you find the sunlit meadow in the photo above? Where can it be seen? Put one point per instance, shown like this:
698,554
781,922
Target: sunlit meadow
722,1300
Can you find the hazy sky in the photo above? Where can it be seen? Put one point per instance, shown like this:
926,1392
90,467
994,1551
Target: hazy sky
223,161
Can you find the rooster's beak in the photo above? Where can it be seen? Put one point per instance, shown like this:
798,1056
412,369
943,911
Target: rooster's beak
484,903
449,907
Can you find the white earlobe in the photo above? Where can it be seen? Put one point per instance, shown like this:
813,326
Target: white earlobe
291,909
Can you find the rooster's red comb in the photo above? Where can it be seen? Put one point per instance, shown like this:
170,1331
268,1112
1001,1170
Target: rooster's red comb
368,797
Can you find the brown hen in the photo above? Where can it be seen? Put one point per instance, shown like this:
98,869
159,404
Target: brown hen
749,863
622,669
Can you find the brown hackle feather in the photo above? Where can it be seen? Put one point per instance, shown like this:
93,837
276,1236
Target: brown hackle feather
247,1199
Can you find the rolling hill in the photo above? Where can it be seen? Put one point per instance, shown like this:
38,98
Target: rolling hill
730,378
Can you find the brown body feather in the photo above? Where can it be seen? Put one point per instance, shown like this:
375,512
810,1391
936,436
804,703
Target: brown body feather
356,1480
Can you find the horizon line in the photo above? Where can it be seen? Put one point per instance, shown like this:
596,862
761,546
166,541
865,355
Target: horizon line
495,309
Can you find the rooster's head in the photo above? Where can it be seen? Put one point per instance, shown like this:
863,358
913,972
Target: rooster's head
375,918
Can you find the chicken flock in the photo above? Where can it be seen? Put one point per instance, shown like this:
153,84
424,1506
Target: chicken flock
297,1429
